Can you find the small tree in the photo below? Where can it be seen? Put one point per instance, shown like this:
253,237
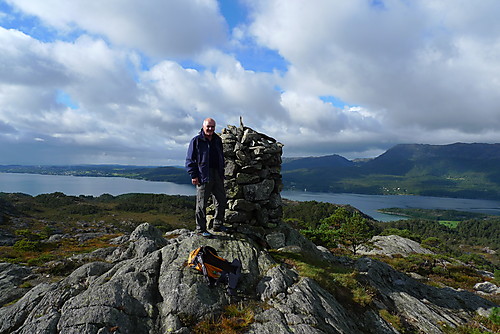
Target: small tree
342,227
355,232
323,234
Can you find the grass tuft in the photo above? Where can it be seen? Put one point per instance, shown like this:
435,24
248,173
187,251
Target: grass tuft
340,281
235,319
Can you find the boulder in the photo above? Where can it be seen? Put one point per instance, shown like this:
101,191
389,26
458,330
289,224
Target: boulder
393,244
11,277
245,178
487,288
302,306
276,240
243,205
7,238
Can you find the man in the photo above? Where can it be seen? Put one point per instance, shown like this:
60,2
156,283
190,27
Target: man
205,164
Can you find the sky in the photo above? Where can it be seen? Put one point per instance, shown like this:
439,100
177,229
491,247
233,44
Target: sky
131,81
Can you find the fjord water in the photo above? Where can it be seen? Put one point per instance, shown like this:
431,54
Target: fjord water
369,204
34,184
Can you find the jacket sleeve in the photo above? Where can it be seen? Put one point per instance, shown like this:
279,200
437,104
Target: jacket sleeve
221,149
192,160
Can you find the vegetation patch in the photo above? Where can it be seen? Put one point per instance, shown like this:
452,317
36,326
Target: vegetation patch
449,223
340,281
81,224
479,325
236,318
438,268
44,253
307,214
396,321
166,211
475,239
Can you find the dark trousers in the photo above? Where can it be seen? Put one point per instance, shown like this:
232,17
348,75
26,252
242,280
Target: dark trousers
214,187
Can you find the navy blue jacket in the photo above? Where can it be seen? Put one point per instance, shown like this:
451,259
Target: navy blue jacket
198,157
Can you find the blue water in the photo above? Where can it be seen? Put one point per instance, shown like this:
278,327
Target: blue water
34,184
369,204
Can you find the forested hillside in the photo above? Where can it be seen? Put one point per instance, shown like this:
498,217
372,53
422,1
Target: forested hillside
456,170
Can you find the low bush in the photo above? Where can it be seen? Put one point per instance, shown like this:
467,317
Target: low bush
25,245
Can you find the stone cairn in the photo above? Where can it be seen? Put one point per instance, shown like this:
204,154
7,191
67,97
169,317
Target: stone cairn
252,178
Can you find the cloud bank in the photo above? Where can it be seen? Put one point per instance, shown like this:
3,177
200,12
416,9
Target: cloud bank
130,82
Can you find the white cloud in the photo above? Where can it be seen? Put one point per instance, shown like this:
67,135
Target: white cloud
409,71
411,62
157,27
224,90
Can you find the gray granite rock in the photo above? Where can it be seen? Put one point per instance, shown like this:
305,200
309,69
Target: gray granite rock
151,290
393,244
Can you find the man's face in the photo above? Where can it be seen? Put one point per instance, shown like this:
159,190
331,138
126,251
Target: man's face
209,127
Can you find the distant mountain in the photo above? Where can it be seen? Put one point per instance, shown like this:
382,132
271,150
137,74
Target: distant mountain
439,159
455,170
329,161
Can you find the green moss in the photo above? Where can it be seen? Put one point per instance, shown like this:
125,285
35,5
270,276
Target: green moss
340,281
394,320
26,285
479,325
235,319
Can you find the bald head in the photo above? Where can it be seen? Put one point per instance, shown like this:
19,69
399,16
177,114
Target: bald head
208,120
208,128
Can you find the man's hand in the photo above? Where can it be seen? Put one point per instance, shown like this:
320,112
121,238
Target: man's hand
195,181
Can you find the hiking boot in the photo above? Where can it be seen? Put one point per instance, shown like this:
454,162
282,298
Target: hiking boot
222,229
205,234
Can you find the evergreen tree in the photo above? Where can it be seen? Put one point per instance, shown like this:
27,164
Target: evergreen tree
355,232
343,227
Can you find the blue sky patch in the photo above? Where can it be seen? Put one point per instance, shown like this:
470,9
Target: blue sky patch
335,101
233,11
262,60
65,99
378,4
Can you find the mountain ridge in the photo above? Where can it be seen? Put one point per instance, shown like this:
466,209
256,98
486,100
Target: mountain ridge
454,170
460,170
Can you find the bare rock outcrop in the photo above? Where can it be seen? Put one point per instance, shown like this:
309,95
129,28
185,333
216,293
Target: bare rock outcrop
393,244
424,307
150,290
487,288
11,278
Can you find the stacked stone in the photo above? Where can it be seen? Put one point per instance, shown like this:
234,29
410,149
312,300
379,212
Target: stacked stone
253,177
